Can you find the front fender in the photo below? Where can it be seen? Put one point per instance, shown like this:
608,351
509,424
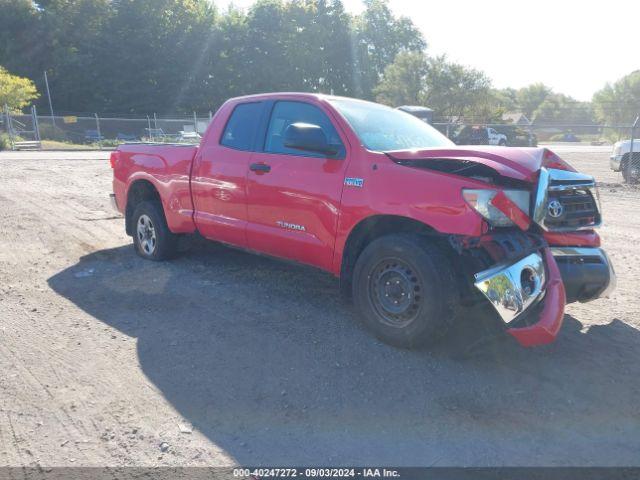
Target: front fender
431,198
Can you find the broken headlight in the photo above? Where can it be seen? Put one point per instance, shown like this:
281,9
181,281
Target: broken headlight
480,201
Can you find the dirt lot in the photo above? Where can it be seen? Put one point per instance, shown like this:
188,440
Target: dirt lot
221,357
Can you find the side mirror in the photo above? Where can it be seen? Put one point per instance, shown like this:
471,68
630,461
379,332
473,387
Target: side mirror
308,137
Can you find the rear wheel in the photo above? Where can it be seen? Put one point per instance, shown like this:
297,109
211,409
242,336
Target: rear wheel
404,289
152,238
502,143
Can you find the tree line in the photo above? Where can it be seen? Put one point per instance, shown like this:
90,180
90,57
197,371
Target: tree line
180,56
135,56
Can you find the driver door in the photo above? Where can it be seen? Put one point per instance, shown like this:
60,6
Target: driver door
293,197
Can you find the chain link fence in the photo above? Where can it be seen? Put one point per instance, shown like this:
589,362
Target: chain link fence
65,132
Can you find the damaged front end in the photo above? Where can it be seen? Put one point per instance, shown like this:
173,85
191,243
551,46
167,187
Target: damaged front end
514,290
516,273
536,209
530,293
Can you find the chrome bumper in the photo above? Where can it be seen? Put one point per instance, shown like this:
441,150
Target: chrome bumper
614,162
512,289
114,202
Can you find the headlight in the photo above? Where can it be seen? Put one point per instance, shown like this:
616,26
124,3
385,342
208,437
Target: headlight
480,200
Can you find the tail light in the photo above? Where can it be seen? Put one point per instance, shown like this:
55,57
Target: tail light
113,158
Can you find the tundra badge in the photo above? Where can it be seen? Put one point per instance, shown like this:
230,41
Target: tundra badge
291,226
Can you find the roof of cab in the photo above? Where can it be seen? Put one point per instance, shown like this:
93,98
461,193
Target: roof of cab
291,95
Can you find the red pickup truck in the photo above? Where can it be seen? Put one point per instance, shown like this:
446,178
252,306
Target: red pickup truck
413,225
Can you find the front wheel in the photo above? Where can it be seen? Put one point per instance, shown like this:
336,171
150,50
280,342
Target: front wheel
502,143
405,290
152,238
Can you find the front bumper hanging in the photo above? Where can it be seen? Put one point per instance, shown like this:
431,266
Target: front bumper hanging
587,273
514,289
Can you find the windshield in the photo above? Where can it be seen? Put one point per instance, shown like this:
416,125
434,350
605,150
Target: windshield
384,129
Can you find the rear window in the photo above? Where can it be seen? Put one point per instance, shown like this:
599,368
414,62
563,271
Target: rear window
242,126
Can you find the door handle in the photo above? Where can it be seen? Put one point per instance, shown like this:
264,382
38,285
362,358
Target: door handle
260,167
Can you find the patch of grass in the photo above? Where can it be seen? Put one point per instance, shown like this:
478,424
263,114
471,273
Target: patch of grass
5,144
57,145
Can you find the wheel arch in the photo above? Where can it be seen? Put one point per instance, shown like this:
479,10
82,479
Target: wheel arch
369,229
140,190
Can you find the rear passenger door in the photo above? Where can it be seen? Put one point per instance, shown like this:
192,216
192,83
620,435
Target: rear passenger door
219,176
293,197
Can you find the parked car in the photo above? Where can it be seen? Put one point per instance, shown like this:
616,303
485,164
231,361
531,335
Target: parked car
569,137
189,137
622,160
423,113
93,136
413,226
517,136
478,135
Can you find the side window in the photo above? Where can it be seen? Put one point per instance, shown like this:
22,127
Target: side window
242,125
286,113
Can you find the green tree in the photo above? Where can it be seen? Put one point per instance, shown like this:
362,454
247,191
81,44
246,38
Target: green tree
297,45
562,109
454,90
619,103
321,45
531,97
507,99
23,45
404,81
377,38
169,56
73,31
16,92
153,55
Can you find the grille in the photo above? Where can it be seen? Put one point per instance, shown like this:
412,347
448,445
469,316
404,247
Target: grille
579,209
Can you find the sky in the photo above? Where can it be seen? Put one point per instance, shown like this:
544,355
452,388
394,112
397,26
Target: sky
575,47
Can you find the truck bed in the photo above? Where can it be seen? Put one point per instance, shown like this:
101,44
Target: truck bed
165,166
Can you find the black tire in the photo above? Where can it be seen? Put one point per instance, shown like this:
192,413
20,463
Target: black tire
624,169
629,174
405,290
502,143
156,242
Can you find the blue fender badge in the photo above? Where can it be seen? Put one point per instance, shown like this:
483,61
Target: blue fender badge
354,182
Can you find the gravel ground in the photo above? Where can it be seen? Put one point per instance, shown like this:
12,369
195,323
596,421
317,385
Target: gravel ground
221,357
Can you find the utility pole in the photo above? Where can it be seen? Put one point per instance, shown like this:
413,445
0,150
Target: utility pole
46,82
98,130
631,164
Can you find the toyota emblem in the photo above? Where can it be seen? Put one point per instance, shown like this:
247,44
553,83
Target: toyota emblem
555,209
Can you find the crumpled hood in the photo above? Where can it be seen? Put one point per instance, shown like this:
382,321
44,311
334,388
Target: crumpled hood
520,163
